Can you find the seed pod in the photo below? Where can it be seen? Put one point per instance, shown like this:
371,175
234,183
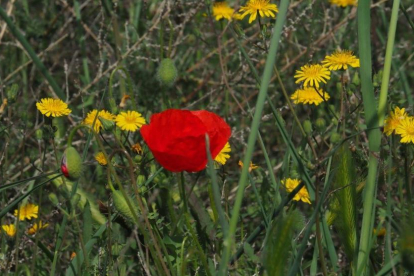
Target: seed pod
122,206
71,164
167,72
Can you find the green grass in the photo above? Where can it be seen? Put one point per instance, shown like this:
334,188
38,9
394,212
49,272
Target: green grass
134,217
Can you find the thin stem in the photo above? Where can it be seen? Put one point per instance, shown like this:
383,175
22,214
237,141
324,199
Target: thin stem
26,45
229,240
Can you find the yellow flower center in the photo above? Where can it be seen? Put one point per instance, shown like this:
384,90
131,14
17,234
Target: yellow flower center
410,130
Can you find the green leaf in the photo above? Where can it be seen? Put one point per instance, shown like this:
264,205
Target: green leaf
87,223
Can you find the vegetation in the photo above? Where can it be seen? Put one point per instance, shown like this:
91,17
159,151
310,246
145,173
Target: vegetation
248,137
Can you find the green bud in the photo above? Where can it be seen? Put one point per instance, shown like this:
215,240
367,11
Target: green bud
310,166
53,198
71,164
355,79
377,79
39,134
107,124
339,87
116,249
12,93
307,126
167,72
75,199
320,124
294,173
141,180
335,137
121,205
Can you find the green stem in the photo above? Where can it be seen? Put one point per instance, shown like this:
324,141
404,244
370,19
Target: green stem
372,119
19,36
229,240
387,65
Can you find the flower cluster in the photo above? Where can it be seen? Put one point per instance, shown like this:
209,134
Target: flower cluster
128,121
313,74
263,8
399,122
25,212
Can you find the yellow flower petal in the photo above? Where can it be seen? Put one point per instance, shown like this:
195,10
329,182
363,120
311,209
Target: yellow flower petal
53,107
130,121
223,154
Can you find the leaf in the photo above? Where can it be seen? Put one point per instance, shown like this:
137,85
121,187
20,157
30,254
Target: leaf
277,249
87,223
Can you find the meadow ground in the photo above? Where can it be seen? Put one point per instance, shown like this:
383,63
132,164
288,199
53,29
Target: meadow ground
245,137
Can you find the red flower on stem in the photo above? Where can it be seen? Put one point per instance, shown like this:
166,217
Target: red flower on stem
176,138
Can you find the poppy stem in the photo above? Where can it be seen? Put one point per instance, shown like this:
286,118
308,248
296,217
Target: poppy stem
182,191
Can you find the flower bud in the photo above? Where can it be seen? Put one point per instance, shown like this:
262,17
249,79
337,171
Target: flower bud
12,92
320,124
71,164
167,72
39,134
121,205
107,124
53,198
307,126
335,137
355,79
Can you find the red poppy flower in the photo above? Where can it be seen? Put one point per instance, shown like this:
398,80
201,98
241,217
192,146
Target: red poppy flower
176,138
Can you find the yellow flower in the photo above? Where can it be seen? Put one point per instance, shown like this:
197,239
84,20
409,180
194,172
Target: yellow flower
308,95
27,211
406,130
344,3
251,166
222,10
137,148
312,74
291,184
130,120
98,125
393,120
223,154
36,227
259,6
9,229
100,158
341,59
53,107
